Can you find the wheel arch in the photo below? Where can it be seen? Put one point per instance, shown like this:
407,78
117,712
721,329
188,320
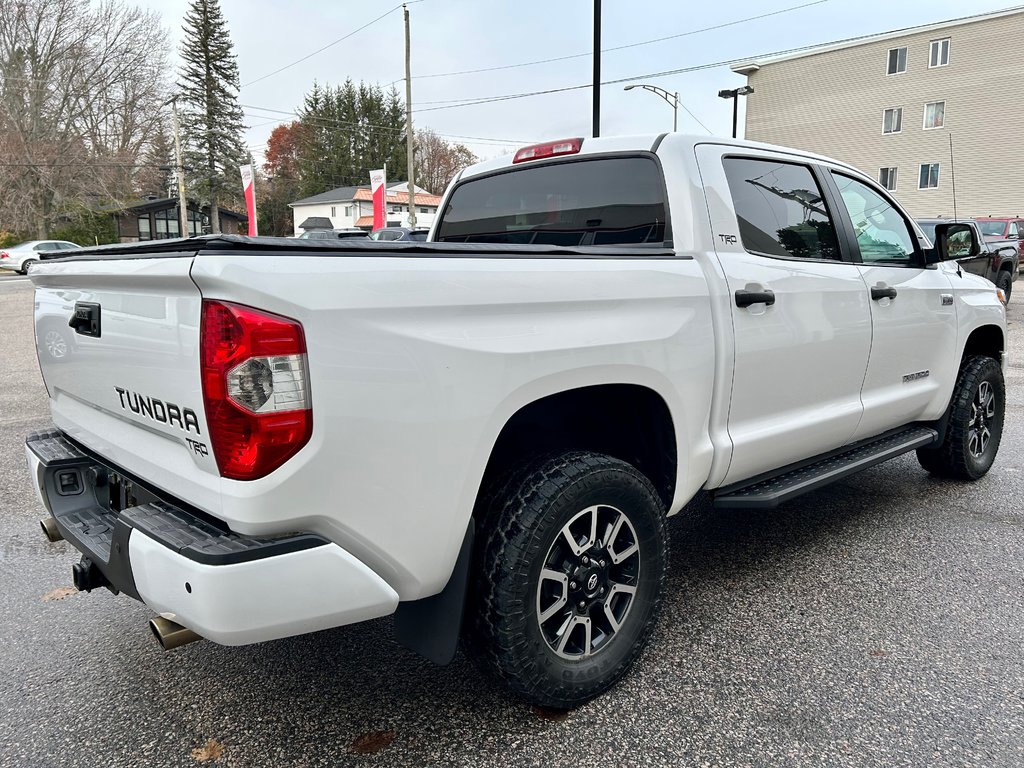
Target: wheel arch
628,421
988,340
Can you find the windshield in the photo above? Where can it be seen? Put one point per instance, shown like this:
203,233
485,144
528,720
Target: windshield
605,201
990,228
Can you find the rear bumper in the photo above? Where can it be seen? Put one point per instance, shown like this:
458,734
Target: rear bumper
229,588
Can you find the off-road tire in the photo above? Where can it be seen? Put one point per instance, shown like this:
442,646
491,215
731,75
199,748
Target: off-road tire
1004,282
954,458
520,522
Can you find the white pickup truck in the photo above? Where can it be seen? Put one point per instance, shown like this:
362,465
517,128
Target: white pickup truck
485,433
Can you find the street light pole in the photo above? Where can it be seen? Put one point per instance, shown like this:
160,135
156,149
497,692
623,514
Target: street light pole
671,98
734,94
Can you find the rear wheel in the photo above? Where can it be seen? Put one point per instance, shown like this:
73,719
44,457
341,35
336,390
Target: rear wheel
25,266
975,425
1004,282
569,577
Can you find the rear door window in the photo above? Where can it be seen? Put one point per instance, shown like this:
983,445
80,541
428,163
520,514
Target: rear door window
780,209
604,201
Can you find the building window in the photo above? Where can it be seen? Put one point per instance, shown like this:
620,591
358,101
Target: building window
348,210
938,56
892,120
166,223
195,223
887,178
934,114
144,233
929,176
424,210
897,61
334,212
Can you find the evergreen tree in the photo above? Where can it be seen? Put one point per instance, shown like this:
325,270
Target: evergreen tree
349,130
211,117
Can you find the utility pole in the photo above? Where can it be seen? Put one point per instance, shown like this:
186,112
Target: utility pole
408,126
179,171
597,68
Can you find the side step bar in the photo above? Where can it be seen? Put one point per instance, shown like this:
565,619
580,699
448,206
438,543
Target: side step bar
771,490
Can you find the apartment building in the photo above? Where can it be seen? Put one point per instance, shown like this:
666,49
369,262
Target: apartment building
891,103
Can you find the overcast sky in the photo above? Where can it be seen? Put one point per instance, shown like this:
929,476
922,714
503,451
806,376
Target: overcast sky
456,35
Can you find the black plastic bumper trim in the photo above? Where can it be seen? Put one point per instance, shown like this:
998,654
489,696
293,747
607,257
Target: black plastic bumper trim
88,522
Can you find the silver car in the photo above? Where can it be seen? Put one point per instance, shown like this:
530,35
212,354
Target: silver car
20,257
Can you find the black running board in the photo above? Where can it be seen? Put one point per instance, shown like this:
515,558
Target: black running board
770,490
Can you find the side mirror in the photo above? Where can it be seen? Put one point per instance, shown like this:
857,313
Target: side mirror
955,241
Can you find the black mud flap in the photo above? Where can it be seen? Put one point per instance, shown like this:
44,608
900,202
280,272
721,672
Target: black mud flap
431,626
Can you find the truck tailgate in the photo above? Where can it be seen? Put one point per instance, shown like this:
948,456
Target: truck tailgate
126,381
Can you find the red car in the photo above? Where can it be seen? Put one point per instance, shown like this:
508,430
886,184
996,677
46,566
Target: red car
1001,228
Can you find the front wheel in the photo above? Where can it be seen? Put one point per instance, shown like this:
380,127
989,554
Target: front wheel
1004,282
569,577
975,425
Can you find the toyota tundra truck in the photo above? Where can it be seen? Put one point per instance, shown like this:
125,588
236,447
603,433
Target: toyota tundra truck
484,434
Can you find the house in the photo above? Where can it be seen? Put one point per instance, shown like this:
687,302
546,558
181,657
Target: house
353,207
890,104
156,218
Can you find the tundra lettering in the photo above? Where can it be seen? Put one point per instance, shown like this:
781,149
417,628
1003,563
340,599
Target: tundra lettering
166,413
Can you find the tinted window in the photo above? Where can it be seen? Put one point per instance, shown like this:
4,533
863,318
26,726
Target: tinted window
993,227
780,209
882,233
606,201
420,237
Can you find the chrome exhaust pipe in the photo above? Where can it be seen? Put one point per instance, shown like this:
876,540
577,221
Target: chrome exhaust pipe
170,634
50,529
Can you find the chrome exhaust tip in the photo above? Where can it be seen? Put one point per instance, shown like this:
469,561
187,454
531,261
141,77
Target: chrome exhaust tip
50,529
170,634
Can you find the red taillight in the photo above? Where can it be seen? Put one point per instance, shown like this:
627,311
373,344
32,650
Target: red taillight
550,149
4,255
256,388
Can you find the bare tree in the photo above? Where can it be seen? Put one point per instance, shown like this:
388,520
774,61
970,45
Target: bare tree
80,94
437,161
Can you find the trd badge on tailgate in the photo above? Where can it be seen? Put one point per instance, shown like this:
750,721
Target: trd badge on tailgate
159,410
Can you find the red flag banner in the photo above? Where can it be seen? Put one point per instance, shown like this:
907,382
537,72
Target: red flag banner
378,188
249,188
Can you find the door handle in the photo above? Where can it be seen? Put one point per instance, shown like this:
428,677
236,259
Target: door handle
746,298
879,293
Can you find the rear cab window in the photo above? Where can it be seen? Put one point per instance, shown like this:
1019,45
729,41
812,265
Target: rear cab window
585,201
780,209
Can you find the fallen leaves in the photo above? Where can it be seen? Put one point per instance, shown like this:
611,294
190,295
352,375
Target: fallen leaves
211,750
58,594
557,715
371,742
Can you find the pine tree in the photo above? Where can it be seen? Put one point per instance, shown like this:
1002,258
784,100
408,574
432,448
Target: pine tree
349,130
208,84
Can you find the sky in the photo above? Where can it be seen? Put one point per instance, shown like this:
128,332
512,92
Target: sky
457,35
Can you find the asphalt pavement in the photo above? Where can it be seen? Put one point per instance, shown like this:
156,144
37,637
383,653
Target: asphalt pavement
874,623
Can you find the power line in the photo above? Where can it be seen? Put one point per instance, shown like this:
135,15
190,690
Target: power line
363,126
621,47
469,102
329,45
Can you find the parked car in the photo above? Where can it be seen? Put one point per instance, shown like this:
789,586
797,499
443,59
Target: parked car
995,260
333,234
486,438
20,257
996,228
400,233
